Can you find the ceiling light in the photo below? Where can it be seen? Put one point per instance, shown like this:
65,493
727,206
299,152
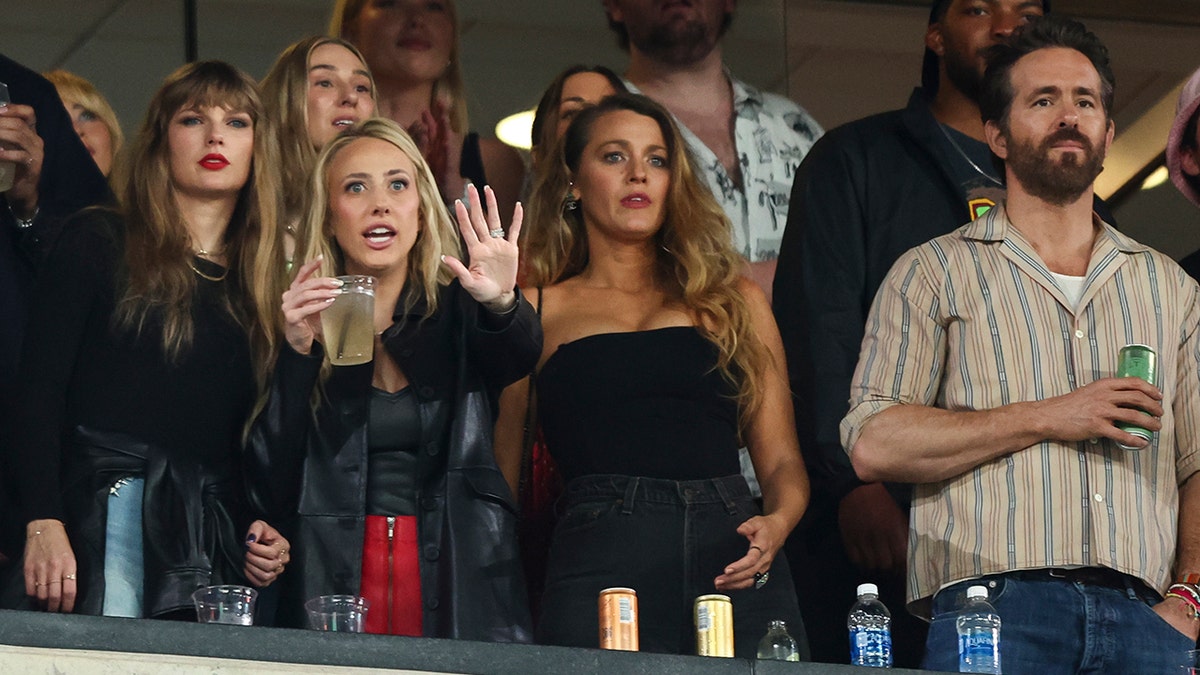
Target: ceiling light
1156,178
516,129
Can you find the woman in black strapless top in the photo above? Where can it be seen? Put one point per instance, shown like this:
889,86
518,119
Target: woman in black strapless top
660,360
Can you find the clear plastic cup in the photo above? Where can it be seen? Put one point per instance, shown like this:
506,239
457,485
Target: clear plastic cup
225,604
339,613
349,322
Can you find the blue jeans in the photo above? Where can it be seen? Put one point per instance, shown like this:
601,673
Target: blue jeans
124,571
668,540
1051,626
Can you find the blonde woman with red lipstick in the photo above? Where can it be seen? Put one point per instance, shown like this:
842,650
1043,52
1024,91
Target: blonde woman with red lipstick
318,87
660,360
150,337
393,476
413,50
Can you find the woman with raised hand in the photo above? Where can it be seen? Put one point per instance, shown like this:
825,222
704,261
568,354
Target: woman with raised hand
392,472
318,86
151,329
413,50
660,360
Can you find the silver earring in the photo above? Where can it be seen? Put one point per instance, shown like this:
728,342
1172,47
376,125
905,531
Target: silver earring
572,202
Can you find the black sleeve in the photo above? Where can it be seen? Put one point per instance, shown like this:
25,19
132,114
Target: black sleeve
819,289
277,443
504,347
71,302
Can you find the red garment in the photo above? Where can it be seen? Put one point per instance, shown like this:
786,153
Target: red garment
540,490
393,587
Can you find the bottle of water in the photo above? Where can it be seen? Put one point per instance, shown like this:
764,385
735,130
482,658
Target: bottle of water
870,626
978,634
778,644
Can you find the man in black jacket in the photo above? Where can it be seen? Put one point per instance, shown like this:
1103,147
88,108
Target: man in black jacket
867,192
55,177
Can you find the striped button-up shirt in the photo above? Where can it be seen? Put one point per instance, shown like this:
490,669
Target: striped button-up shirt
974,320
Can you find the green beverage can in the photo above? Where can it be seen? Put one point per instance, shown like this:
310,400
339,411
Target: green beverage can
1141,362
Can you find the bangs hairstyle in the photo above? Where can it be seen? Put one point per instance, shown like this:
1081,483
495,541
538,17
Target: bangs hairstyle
71,86
545,118
436,233
157,282
449,89
996,95
285,95
696,258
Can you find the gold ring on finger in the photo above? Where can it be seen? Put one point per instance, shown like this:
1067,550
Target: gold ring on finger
70,576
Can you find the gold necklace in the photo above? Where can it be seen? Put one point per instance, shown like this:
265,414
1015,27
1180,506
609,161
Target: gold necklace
208,276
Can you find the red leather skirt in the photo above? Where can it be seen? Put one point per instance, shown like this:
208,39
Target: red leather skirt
391,576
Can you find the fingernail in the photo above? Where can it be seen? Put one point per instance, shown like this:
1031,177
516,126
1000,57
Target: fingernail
250,538
338,282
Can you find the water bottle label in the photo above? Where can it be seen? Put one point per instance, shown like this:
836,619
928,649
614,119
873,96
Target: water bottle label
870,646
977,649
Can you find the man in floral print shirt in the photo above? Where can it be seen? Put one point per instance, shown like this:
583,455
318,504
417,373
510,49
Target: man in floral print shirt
748,143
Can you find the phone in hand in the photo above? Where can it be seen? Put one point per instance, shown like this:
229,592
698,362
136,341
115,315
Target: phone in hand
8,170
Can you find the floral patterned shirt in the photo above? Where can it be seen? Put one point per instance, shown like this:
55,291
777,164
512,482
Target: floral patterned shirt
772,135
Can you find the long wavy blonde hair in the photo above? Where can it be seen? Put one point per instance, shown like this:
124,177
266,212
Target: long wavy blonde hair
694,245
436,234
285,95
157,281
449,89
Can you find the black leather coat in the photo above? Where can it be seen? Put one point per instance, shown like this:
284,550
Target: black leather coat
315,471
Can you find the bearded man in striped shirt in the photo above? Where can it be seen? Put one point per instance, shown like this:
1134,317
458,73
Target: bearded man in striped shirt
986,378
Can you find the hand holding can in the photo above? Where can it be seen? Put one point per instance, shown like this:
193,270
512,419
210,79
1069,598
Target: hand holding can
1141,362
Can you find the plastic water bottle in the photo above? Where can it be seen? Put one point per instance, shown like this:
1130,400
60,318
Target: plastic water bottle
978,634
778,644
870,626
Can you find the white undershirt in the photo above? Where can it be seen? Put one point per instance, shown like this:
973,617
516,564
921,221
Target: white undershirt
1072,287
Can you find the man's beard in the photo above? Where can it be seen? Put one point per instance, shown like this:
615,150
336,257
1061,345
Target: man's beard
963,73
677,43
1057,182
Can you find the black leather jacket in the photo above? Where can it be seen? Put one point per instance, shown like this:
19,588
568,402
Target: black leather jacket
314,472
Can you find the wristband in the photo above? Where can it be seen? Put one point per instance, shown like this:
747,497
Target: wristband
1189,595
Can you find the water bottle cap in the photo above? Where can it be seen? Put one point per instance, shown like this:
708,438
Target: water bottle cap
977,592
865,589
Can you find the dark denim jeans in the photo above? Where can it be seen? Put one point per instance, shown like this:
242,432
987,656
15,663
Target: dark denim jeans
668,540
1051,626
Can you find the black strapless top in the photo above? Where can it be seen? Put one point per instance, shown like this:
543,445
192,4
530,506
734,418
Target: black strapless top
647,403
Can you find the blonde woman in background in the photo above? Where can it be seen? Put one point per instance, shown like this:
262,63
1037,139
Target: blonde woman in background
317,87
413,50
93,117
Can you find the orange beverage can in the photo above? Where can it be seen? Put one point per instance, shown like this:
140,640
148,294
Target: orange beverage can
714,626
619,619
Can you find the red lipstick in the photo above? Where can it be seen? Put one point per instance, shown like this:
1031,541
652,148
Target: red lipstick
214,161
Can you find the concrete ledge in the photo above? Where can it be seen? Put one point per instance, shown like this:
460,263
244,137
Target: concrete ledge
35,642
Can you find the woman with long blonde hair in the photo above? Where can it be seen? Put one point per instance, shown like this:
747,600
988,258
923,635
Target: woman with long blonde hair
317,87
151,335
660,359
392,471
93,118
412,47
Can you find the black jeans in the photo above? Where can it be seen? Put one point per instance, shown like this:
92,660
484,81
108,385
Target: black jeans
668,540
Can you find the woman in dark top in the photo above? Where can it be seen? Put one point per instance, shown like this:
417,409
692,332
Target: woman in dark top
413,50
149,332
659,358
399,497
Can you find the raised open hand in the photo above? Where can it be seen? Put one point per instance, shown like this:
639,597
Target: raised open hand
492,275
